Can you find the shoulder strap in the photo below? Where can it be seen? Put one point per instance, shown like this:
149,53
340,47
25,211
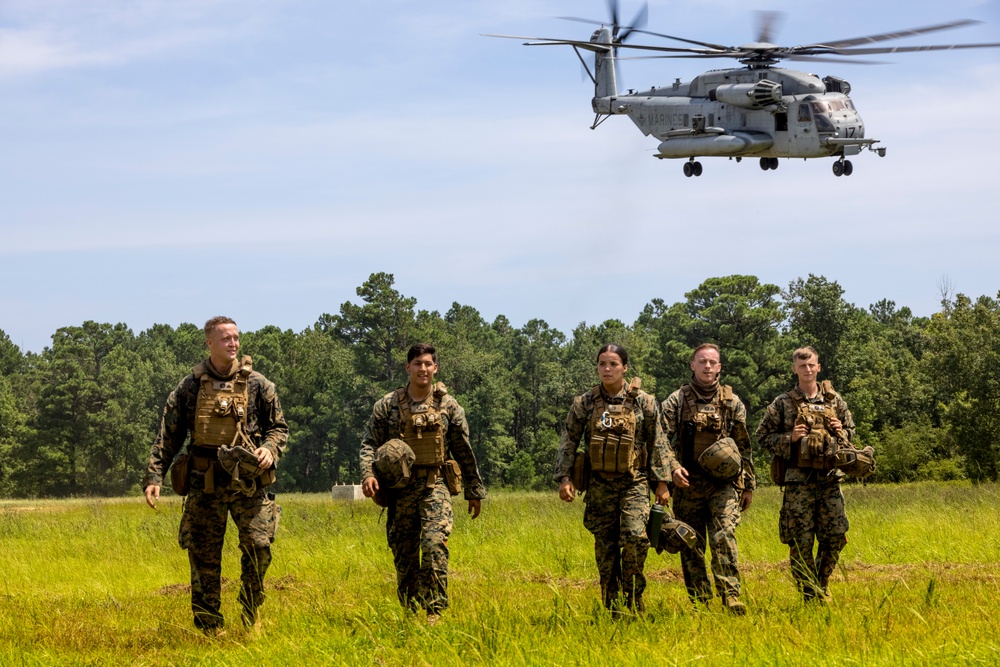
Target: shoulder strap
598,397
403,401
632,393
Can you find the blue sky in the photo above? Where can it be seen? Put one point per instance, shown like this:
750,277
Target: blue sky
165,161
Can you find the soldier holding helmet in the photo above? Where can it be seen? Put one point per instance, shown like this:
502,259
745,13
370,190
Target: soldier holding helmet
713,474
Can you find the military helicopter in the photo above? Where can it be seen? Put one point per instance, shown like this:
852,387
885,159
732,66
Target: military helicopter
758,110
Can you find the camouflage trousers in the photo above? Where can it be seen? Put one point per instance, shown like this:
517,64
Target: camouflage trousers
616,513
713,510
202,533
813,511
421,519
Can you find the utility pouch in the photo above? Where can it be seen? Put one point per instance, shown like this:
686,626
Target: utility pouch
453,476
778,468
266,478
580,475
180,474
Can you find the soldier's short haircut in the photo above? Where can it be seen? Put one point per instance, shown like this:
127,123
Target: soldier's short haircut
420,349
804,353
706,346
216,321
614,349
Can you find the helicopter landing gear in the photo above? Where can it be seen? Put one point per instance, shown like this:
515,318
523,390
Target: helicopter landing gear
692,168
768,163
843,167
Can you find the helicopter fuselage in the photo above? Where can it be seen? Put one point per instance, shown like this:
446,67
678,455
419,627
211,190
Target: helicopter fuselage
764,112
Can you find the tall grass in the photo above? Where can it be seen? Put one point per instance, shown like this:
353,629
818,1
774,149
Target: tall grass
104,583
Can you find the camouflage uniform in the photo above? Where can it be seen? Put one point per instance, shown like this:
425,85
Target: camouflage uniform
813,505
617,507
708,502
420,514
203,522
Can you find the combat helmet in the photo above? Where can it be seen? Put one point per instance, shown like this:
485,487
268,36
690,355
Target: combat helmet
722,460
243,467
393,461
859,463
675,535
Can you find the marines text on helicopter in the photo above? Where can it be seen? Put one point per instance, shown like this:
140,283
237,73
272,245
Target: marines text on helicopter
755,111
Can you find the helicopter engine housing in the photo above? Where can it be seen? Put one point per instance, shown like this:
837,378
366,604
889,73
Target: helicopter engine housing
757,95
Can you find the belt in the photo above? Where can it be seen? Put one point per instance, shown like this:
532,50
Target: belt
211,453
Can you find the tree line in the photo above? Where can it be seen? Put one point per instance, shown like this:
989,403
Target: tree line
78,418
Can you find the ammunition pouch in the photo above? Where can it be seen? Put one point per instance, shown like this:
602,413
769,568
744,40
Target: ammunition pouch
180,474
453,476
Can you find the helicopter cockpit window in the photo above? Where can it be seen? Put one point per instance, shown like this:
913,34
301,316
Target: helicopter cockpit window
824,125
820,107
804,114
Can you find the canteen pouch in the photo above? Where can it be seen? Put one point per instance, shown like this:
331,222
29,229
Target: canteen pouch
778,468
453,476
180,474
581,472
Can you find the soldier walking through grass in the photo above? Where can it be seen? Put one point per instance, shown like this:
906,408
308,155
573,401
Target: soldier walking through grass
713,476
624,456
803,429
238,432
405,465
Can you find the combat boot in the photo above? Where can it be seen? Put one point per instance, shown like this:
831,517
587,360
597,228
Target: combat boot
735,606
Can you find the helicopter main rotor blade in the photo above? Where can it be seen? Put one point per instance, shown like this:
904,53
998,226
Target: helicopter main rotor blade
871,39
710,45
820,59
910,49
737,54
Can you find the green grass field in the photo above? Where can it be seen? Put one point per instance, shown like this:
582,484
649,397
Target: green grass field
103,582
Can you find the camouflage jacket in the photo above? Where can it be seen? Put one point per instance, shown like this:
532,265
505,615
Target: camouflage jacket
659,462
384,425
774,433
265,421
735,427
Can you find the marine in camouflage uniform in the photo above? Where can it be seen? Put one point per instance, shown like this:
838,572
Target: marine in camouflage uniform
710,506
209,501
617,504
420,514
812,510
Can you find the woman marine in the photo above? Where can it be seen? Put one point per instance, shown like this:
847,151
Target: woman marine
625,455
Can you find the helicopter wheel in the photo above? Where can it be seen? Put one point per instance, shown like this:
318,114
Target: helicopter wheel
848,168
688,169
774,163
765,163
696,168
838,168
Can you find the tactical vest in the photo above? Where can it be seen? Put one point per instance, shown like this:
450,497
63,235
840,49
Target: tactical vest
705,423
612,447
221,413
817,417
421,426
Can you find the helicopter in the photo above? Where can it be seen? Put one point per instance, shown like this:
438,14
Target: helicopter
758,110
